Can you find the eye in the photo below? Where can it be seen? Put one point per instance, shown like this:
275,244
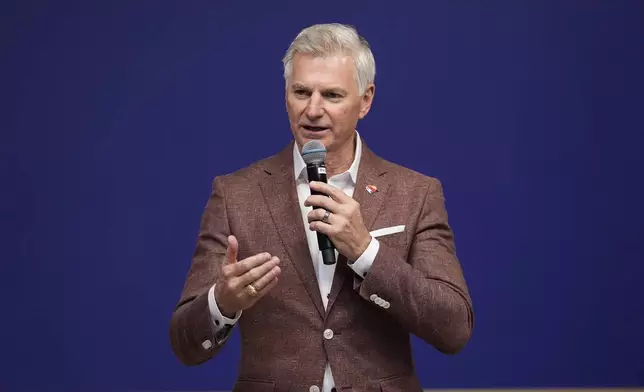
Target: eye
332,95
301,93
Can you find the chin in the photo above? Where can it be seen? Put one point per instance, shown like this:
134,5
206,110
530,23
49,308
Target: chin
326,137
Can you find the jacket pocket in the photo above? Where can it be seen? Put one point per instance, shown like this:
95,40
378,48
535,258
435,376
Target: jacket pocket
243,385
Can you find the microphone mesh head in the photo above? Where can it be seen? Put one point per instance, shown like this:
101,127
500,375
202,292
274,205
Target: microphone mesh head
313,152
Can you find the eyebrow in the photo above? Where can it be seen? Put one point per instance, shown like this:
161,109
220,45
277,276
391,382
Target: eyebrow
297,86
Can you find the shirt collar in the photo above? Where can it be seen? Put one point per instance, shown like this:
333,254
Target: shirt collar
300,167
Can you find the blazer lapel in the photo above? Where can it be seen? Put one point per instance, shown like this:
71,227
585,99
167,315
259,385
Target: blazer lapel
370,172
280,194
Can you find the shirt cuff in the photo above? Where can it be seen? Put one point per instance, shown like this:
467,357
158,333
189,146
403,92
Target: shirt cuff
220,322
362,265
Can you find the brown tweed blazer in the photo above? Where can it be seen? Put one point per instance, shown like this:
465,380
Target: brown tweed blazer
282,343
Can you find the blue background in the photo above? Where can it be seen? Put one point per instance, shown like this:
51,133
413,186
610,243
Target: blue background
116,116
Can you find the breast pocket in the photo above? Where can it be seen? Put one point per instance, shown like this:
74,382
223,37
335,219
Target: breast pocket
393,236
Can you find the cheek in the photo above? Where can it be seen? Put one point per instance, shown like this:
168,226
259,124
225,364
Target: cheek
339,114
294,108
343,115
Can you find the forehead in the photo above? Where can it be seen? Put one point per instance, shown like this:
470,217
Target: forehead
317,71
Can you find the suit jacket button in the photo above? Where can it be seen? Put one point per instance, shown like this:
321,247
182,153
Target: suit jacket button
373,297
206,344
314,388
328,334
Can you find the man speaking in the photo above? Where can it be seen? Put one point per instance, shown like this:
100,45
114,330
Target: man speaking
339,322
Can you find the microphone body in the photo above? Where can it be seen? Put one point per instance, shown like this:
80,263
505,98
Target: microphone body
314,155
317,172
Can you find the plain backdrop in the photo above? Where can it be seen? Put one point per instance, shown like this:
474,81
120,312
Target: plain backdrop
117,115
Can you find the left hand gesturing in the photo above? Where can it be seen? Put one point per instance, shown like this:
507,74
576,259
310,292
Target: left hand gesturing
344,226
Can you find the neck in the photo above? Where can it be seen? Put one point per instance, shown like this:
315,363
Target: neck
340,161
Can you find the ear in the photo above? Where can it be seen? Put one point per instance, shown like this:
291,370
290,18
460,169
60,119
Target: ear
366,100
286,97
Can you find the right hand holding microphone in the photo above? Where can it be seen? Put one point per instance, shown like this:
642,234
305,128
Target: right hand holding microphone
242,283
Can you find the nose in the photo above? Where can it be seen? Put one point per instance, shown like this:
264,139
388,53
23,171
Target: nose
314,108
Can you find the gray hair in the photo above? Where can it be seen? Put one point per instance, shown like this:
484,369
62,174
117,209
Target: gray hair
332,39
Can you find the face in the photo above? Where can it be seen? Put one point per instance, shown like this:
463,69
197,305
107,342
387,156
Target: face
323,101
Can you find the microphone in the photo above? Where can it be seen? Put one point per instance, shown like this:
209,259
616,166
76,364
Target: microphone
314,154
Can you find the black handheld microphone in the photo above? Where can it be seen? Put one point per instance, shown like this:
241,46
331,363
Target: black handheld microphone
314,154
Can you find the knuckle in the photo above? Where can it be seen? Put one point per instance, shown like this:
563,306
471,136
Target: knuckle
239,267
255,274
227,272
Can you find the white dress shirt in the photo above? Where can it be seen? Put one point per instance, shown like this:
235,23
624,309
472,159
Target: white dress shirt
324,273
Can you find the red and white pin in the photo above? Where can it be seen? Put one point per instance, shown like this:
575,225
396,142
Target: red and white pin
372,189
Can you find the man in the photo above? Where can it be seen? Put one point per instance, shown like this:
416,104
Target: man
305,325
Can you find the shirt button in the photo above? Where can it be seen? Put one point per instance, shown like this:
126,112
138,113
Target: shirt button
328,334
314,388
206,344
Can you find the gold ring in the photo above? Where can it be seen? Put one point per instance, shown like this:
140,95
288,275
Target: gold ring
251,290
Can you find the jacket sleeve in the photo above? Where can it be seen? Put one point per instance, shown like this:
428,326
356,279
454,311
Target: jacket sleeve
426,292
194,338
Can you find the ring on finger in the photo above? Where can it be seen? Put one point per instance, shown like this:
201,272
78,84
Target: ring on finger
251,290
325,218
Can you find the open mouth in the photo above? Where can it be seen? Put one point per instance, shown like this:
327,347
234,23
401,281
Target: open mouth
314,129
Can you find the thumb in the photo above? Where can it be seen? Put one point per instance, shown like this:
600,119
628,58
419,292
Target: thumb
231,251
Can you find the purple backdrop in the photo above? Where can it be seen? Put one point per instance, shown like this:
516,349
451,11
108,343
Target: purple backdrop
117,115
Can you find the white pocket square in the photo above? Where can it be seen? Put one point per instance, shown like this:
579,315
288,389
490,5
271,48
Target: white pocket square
387,231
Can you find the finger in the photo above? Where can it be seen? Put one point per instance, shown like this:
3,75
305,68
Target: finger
266,288
243,266
231,250
318,214
322,202
336,193
267,278
322,227
256,273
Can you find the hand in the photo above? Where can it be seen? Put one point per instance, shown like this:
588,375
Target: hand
260,270
345,226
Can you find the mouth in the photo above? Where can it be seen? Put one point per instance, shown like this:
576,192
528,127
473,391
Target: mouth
311,128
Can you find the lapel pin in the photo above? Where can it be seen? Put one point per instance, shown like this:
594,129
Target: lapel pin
372,189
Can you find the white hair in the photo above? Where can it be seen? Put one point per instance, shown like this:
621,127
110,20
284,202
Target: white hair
333,39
